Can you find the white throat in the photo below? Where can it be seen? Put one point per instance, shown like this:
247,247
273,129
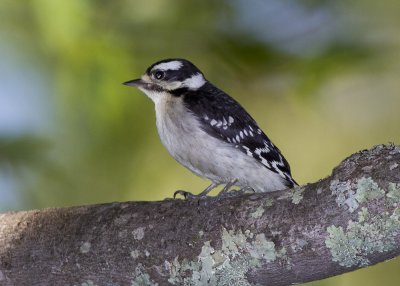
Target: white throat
156,96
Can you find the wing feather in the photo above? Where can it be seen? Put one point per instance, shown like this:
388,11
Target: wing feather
224,118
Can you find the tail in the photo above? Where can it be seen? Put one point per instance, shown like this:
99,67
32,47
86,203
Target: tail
290,182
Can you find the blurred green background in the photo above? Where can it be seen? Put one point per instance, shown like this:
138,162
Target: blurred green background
320,77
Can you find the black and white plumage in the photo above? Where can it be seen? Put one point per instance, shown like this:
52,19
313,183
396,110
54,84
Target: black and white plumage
209,132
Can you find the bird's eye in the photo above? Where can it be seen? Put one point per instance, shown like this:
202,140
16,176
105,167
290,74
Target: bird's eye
159,74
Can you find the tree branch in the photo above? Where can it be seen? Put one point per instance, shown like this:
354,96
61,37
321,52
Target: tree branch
344,222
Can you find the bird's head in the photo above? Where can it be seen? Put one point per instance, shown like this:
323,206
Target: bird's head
169,77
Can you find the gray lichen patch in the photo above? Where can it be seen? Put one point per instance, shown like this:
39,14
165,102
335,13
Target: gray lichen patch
352,195
297,194
85,247
86,283
202,270
298,244
344,194
368,190
369,234
396,150
269,202
239,253
142,278
394,193
351,246
204,274
363,215
135,253
235,273
258,212
123,219
138,233
262,250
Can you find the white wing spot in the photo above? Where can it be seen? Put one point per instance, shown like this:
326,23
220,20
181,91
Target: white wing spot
251,128
206,117
230,119
266,149
245,132
219,124
241,134
213,122
259,131
265,162
237,138
251,133
281,161
234,141
225,122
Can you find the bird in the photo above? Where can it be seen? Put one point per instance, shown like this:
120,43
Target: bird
209,132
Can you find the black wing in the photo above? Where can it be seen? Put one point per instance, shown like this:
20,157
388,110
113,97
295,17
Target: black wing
224,118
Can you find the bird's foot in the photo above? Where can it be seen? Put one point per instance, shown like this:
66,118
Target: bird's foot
200,199
224,194
235,193
185,194
189,196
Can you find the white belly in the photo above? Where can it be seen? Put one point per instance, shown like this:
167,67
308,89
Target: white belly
207,156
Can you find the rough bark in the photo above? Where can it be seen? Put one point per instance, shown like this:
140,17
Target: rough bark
344,222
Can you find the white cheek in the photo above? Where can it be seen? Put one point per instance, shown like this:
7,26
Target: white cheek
172,85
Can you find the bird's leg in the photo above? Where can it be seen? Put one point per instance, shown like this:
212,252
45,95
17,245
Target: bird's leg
188,195
230,184
208,189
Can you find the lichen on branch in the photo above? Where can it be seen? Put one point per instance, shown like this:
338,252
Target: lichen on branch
344,222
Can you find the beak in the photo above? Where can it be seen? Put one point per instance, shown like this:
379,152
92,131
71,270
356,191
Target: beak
135,82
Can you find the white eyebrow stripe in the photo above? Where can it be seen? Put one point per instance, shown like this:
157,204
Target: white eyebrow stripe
194,82
173,65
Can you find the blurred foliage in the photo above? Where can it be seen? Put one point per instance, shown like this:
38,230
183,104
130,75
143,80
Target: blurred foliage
14,151
321,77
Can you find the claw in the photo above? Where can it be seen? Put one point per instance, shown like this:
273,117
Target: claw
190,197
183,193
